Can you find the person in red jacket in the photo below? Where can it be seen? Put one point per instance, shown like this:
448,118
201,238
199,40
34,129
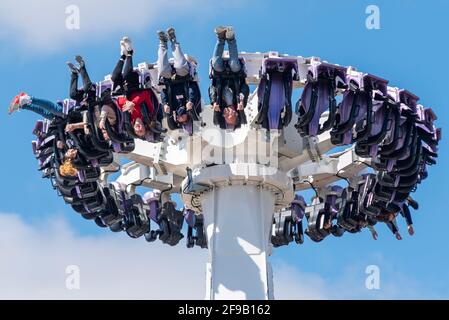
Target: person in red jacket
134,97
130,105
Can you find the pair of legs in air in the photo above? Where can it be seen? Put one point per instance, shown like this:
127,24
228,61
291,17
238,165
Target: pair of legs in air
225,34
49,109
88,90
45,108
180,101
127,80
123,74
230,111
180,63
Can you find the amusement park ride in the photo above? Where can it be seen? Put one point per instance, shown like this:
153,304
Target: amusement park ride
240,188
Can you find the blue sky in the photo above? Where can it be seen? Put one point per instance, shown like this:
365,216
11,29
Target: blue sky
409,49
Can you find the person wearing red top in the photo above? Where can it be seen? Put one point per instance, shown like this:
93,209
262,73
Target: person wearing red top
132,105
134,97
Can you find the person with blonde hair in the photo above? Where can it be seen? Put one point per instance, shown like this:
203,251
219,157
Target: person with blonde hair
67,168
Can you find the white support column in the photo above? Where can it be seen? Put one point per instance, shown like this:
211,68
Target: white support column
238,222
238,213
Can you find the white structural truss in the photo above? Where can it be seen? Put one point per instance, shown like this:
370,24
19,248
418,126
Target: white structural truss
242,178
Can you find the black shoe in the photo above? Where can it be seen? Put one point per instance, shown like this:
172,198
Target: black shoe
171,35
80,61
72,67
162,37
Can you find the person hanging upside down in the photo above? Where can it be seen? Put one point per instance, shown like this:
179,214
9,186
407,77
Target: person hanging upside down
106,112
133,98
389,218
67,168
87,94
45,108
229,91
181,96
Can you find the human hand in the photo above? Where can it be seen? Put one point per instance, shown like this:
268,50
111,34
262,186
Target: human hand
240,106
69,127
129,106
166,108
410,229
216,107
105,135
189,105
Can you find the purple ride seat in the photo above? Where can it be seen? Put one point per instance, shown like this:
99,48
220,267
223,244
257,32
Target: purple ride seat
152,200
317,97
324,214
397,134
354,118
275,92
68,105
298,208
380,120
121,198
121,142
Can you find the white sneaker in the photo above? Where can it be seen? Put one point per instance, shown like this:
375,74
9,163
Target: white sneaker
122,48
18,102
24,100
128,44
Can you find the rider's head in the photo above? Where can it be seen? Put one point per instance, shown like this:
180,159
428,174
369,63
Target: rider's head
139,128
230,116
105,135
181,115
67,168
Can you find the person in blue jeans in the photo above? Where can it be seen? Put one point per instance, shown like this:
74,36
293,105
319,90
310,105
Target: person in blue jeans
181,65
45,108
226,34
229,91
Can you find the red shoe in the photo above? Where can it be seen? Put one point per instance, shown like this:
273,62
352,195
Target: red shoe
15,103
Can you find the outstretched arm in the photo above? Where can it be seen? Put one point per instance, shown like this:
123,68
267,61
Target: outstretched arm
244,90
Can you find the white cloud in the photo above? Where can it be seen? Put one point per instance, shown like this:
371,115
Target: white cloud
41,25
291,284
33,260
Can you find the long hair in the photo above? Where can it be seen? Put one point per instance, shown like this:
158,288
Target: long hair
67,169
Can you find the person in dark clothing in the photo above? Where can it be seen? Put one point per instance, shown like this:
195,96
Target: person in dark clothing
88,93
181,97
229,91
125,78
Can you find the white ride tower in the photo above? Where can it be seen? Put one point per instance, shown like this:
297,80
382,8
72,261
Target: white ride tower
239,180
